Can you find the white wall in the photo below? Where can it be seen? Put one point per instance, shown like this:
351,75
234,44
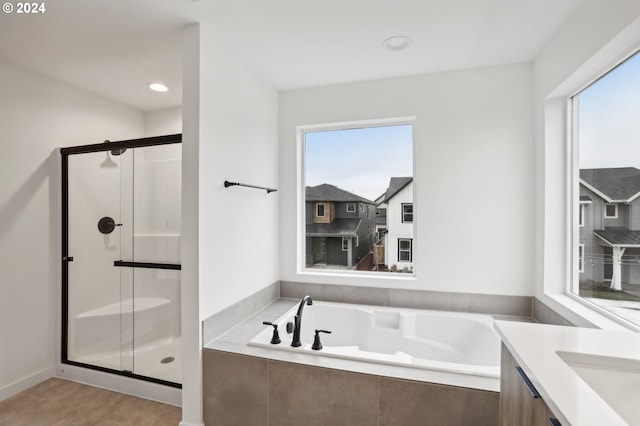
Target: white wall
238,142
38,115
474,176
235,136
595,38
163,122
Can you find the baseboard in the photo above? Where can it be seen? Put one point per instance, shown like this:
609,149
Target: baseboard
25,383
122,384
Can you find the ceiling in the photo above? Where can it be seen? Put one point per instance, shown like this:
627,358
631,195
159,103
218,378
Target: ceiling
115,47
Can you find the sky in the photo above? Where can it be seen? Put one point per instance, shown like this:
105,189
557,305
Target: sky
360,161
609,119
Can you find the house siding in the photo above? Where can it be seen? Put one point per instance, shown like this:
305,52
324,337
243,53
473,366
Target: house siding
308,212
631,270
621,220
397,228
634,215
308,251
335,255
365,239
329,212
342,213
597,256
593,248
365,232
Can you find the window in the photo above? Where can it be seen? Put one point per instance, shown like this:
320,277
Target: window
606,174
404,249
610,211
354,164
320,209
407,213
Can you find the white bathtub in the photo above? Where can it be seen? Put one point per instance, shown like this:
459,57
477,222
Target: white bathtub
453,342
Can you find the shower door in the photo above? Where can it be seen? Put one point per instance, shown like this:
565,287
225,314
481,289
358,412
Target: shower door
121,257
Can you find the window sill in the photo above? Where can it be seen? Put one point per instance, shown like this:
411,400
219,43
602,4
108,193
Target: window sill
358,274
585,314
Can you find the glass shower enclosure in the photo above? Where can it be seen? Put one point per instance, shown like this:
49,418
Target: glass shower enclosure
121,286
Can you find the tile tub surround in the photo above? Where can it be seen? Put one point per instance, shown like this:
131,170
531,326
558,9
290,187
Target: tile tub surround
242,390
219,323
545,315
226,335
520,306
236,339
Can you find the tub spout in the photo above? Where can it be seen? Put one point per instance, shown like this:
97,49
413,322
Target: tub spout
298,321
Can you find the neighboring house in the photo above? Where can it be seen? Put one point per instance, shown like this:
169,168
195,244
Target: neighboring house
339,226
381,216
379,259
609,220
398,240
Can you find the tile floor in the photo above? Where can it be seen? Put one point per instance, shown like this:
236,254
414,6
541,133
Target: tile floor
58,402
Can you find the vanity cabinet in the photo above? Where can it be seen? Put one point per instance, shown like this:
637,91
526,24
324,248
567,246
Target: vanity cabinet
518,405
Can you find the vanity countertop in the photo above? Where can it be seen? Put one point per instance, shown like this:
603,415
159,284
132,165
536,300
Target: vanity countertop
561,361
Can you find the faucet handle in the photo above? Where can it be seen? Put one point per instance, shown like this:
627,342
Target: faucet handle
275,339
317,345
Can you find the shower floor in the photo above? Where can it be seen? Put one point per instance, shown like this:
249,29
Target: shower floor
160,360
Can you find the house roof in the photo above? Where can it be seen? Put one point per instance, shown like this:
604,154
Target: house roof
342,227
620,184
326,192
619,236
380,198
396,184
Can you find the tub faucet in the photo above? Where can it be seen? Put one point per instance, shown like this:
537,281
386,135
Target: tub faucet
298,321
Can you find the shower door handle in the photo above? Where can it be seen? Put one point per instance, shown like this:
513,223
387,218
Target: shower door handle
67,259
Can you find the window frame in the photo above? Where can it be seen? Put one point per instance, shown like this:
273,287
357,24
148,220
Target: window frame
351,276
585,311
403,213
352,209
615,214
410,250
324,210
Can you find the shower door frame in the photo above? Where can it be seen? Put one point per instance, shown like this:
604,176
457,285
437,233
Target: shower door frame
66,257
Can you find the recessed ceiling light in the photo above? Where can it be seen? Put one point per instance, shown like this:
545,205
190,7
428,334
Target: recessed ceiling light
397,42
158,87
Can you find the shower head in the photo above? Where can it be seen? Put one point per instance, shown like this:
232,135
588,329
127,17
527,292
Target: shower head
108,163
